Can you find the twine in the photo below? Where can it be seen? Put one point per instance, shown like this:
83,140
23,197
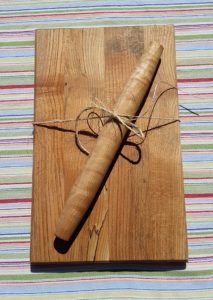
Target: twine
127,121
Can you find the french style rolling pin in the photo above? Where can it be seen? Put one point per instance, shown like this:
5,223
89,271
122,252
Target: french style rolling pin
108,142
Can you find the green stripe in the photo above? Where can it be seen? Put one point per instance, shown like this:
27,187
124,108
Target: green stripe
16,133
12,152
198,188
199,218
200,112
197,146
15,237
19,118
201,251
18,67
194,73
192,60
201,233
18,193
15,179
17,43
188,174
22,106
35,276
21,79
197,128
193,37
14,255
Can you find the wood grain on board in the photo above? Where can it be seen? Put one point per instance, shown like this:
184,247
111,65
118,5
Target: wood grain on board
139,214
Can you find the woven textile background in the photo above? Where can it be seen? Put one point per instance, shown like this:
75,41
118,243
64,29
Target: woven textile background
193,21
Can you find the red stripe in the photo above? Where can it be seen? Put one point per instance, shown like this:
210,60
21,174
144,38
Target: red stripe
181,93
195,80
200,237
207,195
14,262
23,208
15,183
23,71
17,32
15,200
198,211
21,86
192,65
22,100
195,133
200,203
18,242
194,178
15,156
200,116
16,122
14,217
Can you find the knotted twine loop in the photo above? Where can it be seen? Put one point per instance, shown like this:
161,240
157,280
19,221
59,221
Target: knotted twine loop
125,120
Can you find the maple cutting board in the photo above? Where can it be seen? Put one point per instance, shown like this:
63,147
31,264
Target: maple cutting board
139,214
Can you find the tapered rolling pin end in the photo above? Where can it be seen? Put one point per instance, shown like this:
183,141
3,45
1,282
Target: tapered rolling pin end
155,48
61,232
75,210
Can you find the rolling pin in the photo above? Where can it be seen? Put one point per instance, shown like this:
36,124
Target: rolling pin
107,144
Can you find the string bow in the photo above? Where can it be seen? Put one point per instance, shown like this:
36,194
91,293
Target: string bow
125,120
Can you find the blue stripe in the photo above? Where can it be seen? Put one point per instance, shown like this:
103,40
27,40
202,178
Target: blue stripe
16,231
17,163
25,290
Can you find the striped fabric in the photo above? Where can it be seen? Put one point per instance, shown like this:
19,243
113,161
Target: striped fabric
194,43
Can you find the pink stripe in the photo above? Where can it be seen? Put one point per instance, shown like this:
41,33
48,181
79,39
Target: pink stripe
195,80
16,122
200,237
200,116
11,183
21,86
188,178
15,242
195,133
11,101
199,195
22,71
194,65
15,156
200,203
11,217
198,211
15,200
200,94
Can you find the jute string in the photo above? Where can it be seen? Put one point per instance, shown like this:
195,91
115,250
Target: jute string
126,120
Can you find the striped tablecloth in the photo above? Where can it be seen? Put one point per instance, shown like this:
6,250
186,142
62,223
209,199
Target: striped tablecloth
193,21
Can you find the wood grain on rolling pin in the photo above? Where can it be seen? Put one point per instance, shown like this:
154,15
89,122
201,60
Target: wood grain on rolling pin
108,142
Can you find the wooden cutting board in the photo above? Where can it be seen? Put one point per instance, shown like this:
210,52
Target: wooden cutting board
139,214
